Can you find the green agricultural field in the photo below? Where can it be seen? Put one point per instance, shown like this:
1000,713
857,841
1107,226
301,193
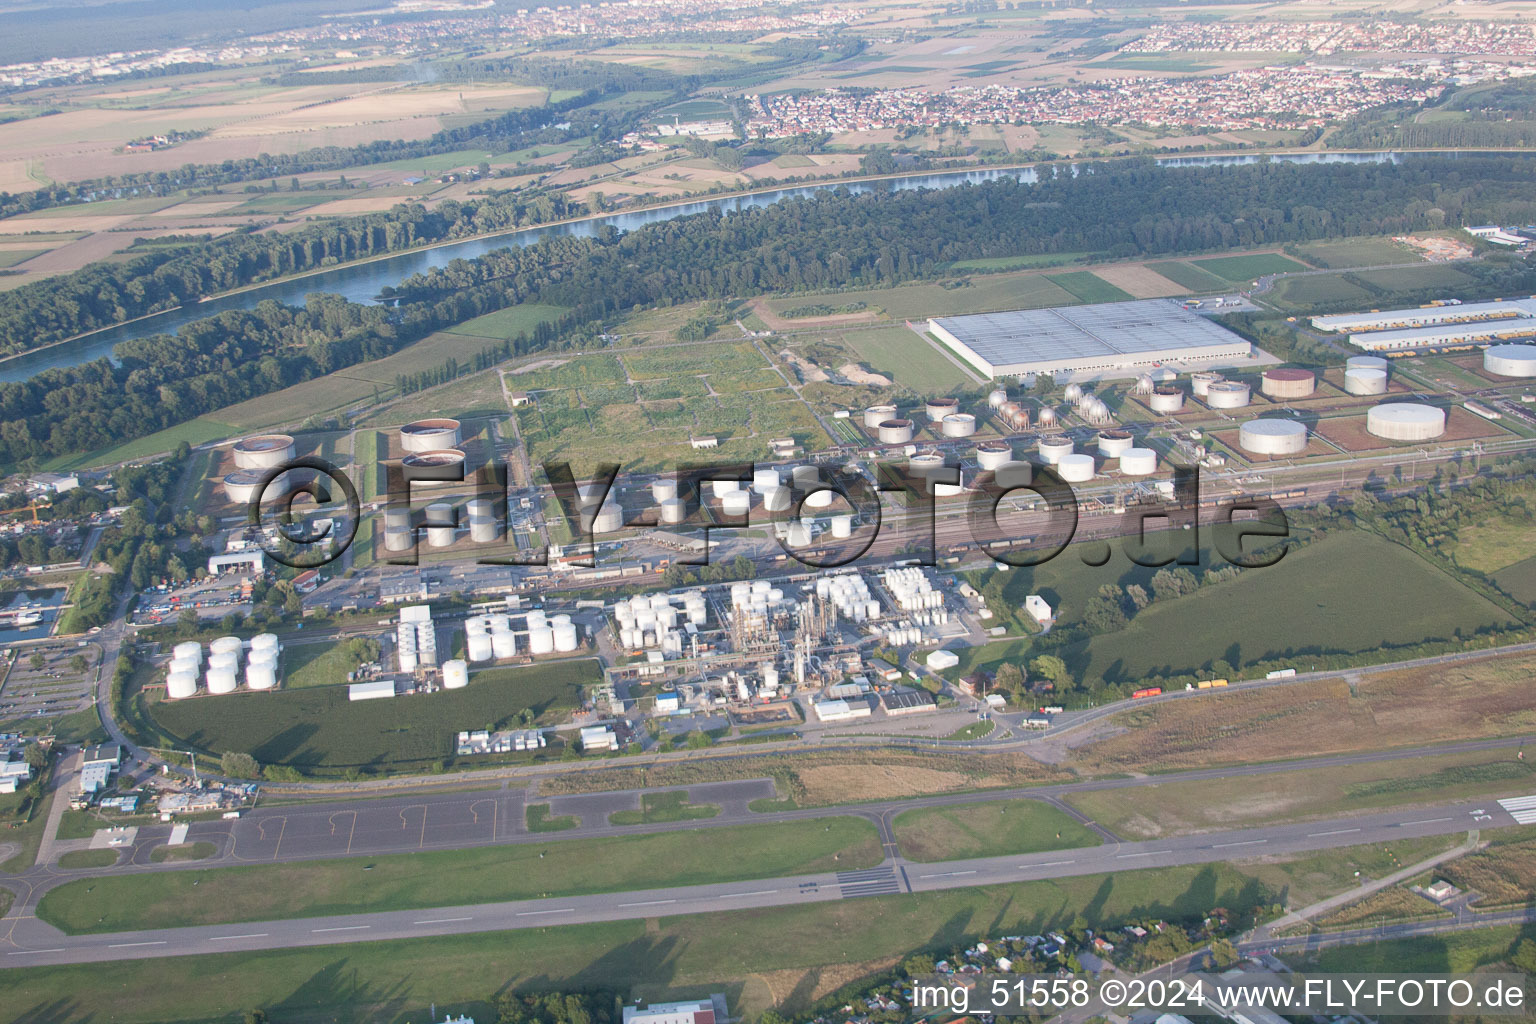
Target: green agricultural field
1089,287
1413,279
417,881
1518,580
508,323
1303,293
11,257
198,431
566,373
318,730
306,665
475,396
1452,953
907,358
992,829
704,952
1153,62
994,263
1492,544
1187,275
1356,252
724,359
1242,269
1319,599
915,301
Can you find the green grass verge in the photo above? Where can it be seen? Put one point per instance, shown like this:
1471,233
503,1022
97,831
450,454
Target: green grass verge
319,730
88,859
974,731
540,820
508,323
187,851
459,877
662,807
992,829
194,432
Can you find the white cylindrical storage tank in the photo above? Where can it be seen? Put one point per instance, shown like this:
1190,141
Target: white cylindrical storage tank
777,500
1200,383
958,424
1406,421
805,477
765,480
878,414
663,490
609,518
180,685
481,508
397,538
842,527
1288,382
537,618
996,399
1228,394
243,486
455,674
188,650
260,677
673,511
183,665
224,660
1113,442
264,642
993,454
408,659
895,431
737,503
541,640
483,530
821,499
222,681
1365,380
938,408
440,536
1272,437
478,646
430,435
264,451
503,644
1165,399
1053,449
1138,462
720,488
1511,360
1075,469
436,459
798,536
565,637
1366,363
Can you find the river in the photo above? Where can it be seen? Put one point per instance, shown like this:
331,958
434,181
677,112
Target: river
362,282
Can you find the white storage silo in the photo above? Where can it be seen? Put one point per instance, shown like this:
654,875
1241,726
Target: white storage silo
478,647
224,660
541,640
1200,383
455,674
842,527
260,677
264,642
1138,462
798,536
821,499
765,480
720,488
1165,399
737,503
673,511
805,477
180,685
485,508
959,424
1052,449
483,530
407,658
777,500
397,538
564,636
1113,442
1075,469
503,644
222,681
188,650
1365,380
226,645
439,519
1228,394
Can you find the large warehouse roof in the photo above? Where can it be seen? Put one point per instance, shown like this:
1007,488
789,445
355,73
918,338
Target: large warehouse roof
1111,335
1387,319
1444,334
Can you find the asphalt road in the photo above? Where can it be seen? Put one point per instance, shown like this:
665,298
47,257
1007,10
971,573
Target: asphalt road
36,943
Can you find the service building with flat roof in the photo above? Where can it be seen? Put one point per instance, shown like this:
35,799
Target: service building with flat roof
1435,326
1104,338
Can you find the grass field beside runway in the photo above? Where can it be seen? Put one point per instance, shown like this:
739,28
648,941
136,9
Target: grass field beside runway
991,829
443,878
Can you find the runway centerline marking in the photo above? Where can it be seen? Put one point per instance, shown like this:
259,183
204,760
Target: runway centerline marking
1335,832
738,895
1148,853
1249,842
128,945
1421,821
1047,864
344,928
531,913
32,952
231,938
442,920
647,903
947,874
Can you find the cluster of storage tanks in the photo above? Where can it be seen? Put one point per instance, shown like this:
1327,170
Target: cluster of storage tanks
849,594
221,674
441,524
655,621
550,634
1089,406
416,644
921,604
489,638
254,457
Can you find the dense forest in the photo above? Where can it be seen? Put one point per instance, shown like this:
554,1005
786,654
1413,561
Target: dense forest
835,239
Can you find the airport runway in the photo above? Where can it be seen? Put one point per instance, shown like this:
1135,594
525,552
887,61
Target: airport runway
36,943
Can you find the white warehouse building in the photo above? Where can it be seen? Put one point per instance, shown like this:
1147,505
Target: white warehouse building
1435,326
1104,339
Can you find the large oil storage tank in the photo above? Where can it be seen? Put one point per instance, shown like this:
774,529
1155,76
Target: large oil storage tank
222,681
1054,449
1138,462
823,498
484,529
720,488
480,508
737,503
180,685
243,486
503,644
765,480
455,674
1166,399
226,645
430,435
397,517
1200,383
805,477
938,408
895,431
1511,360
1075,469
188,650
1227,394
478,647
541,640
1405,421
993,454
439,520
397,538
1365,380
777,500
437,457
564,636
261,677
1288,382
1113,442
1366,363
878,414
663,490
842,527
609,518
264,451
1272,437
673,511
958,424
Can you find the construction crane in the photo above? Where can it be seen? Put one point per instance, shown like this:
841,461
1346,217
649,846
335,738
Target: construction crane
25,508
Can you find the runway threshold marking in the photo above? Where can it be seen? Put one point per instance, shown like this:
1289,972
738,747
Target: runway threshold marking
1335,832
232,938
344,928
